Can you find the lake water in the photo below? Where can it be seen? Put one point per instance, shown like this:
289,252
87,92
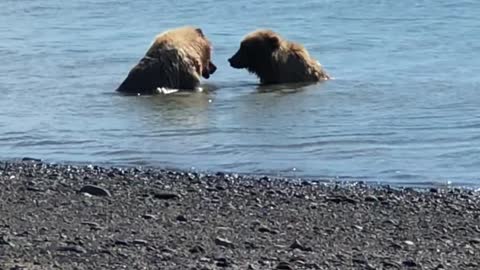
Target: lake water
403,109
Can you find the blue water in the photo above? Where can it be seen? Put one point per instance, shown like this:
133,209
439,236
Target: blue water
404,107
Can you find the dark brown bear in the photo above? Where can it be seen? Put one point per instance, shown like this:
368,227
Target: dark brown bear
177,59
276,60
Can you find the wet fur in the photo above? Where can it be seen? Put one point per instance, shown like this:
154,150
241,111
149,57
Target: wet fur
275,60
177,59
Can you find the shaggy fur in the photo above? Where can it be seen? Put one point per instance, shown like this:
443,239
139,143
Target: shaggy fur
276,60
177,59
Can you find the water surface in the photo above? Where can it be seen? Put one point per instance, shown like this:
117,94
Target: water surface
404,107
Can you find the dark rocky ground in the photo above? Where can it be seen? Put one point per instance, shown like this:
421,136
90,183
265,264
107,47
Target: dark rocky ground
157,219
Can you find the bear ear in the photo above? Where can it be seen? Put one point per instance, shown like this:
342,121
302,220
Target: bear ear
199,31
274,41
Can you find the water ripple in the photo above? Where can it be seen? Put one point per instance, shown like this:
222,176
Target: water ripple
403,108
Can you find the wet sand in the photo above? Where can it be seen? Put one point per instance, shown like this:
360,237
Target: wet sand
90,217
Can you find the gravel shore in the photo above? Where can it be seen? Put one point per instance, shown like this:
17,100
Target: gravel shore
90,217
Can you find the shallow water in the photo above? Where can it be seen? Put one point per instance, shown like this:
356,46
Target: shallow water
404,107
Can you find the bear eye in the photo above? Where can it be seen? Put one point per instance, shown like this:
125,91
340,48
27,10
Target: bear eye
244,47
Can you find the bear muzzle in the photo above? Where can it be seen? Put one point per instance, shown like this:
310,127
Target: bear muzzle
236,61
209,70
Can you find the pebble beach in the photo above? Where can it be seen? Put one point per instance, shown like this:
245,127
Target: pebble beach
92,217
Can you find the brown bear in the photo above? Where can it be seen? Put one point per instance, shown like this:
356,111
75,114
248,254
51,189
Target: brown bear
276,60
176,60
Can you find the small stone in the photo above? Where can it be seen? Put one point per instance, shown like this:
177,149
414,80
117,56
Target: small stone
4,241
371,198
149,216
360,228
167,249
250,245
121,243
95,191
313,205
165,196
181,218
223,262
35,189
220,188
474,241
433,190
284,266
31,159
297,245
93,225
75,249
224,242
264,229
140,242
409,263
340,198
197,249
204,259
409,243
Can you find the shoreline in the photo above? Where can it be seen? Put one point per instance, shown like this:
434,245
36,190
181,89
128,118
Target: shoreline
81,217
325,180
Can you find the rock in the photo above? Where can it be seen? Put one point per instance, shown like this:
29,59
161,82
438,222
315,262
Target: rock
181,218
250,245
165,195
197,249
204,260
284,266
31,159
140,242
409,263
408,243
95,190
121,243
371,198
264,229
35,189
341,198
75,249
224,242
167,249
391,264
93,225
474,241
149,216
360,228
4,241
223,262
297,245
220,187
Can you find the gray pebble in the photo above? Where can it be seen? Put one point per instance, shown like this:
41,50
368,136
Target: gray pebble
165,195
95,190
224,242
75,249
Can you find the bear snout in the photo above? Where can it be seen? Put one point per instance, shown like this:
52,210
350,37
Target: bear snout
235,61
206,72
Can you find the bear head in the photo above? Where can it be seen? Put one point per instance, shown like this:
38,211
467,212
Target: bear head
256,50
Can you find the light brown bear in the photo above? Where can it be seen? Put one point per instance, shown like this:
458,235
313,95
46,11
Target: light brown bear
177,59
276,60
